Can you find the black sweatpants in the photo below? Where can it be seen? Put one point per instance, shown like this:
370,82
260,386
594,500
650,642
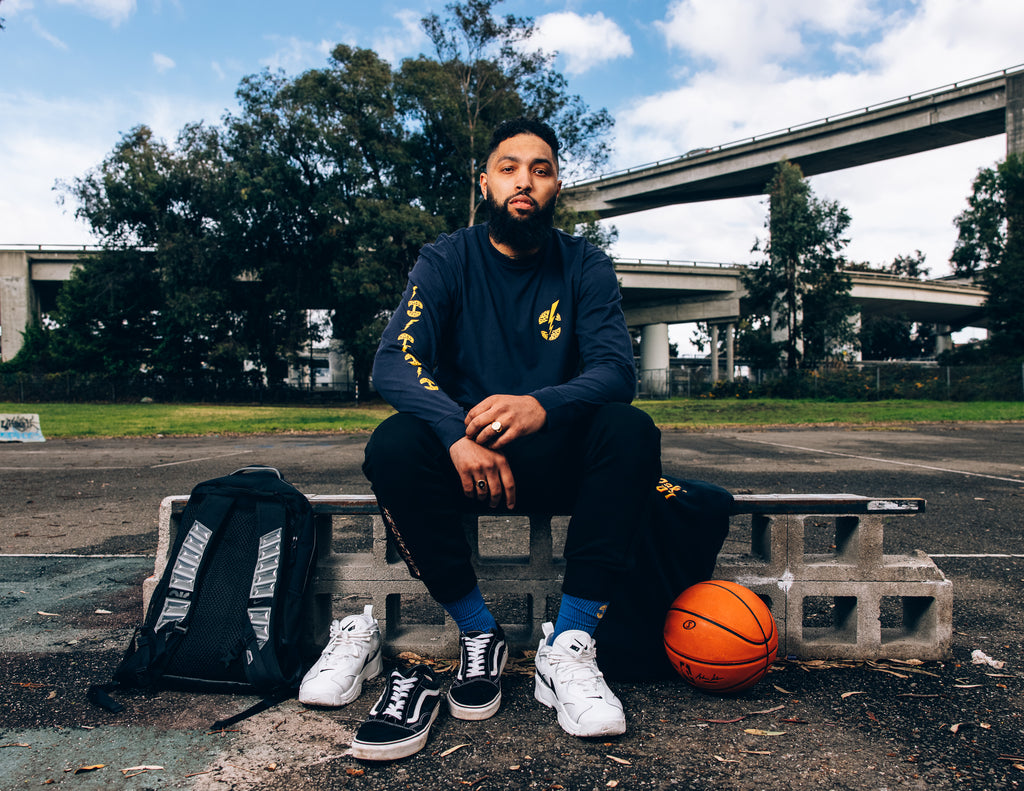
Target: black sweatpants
600,469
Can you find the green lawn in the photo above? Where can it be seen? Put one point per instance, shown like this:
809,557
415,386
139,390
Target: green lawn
140,420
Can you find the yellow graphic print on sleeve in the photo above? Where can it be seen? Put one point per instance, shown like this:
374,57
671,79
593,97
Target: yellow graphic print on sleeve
414,309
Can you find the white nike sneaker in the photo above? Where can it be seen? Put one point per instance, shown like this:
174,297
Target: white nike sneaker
569,681
351,657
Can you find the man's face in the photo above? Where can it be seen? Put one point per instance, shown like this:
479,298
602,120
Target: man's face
521,185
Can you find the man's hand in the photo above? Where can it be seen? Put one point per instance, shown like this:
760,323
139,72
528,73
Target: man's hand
485,474
499,419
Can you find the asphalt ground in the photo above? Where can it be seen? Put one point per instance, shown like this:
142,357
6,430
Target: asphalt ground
78,522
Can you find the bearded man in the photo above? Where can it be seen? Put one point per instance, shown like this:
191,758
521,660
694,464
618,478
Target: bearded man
512,371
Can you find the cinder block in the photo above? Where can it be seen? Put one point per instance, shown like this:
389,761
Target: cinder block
816,560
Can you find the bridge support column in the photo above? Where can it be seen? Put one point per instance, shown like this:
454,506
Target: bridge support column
654,367
1015,114
943,338
17,302
714,353
730,351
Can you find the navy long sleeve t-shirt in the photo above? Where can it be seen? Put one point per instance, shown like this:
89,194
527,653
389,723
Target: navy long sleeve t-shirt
474,323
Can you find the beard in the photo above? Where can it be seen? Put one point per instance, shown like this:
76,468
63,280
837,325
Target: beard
524,234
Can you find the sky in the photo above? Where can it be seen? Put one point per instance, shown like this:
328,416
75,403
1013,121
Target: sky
675,76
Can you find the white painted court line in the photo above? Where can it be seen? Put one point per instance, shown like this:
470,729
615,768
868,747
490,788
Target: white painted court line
993,555
67,555
151,466
885,461
201,458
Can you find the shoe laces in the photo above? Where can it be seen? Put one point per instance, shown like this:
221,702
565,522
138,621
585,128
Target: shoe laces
400,689
580,671
346,644
475,650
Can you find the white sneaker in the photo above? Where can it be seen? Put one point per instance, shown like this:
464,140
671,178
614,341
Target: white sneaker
351,657
568,681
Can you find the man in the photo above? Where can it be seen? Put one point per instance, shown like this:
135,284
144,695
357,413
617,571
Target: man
511,368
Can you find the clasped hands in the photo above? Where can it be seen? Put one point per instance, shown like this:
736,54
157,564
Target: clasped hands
491,425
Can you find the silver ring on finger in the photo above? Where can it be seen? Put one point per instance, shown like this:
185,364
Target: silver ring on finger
481,485
496,426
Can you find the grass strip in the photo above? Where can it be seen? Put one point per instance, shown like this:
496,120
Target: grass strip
148,420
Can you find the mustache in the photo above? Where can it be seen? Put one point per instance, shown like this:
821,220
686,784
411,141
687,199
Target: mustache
522,195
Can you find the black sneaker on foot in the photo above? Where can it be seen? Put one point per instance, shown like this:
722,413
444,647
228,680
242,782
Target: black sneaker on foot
475,693
399,722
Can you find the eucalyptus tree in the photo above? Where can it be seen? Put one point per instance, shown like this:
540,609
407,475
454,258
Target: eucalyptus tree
799,292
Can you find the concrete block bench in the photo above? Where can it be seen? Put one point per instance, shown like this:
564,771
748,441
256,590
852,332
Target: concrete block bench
817,561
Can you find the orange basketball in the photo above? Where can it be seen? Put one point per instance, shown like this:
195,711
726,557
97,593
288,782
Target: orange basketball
720,636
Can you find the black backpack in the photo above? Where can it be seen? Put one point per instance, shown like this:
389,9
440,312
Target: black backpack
676,546
227,612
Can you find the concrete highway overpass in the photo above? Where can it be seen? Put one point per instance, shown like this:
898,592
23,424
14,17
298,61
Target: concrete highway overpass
654,295
969,110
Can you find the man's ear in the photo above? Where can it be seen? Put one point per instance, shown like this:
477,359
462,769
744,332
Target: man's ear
483,184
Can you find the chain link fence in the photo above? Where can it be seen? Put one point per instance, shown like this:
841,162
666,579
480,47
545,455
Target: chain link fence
861,382
86,388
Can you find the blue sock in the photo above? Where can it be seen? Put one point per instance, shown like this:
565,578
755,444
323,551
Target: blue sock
470,612
577,613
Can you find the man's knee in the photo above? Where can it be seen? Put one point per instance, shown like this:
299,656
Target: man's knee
628,429
399,443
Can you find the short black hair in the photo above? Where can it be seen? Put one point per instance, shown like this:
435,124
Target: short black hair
523,126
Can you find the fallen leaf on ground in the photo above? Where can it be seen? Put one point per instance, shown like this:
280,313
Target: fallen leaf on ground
16,744
845,695
780,689
53,614
760,732
618,760
450,750
767,711
755,752
725,760
92,768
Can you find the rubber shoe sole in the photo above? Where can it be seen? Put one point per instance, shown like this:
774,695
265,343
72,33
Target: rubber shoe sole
372,670
543,693
392,751
475,713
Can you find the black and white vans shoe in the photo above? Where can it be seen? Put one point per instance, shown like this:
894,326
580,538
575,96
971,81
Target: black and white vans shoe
399,722
475,694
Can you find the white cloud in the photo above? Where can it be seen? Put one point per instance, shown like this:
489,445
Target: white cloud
114,11
743,84
406,41
11,7
295,55
584,41
46,35
744,35
37,153
162,62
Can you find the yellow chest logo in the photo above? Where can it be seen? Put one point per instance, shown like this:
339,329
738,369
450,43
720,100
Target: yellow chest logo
547,321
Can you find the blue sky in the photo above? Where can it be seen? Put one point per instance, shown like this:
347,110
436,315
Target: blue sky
675,75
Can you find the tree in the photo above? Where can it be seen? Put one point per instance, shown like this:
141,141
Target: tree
799,294
328,210
316,193
486,71
160,295
990,249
